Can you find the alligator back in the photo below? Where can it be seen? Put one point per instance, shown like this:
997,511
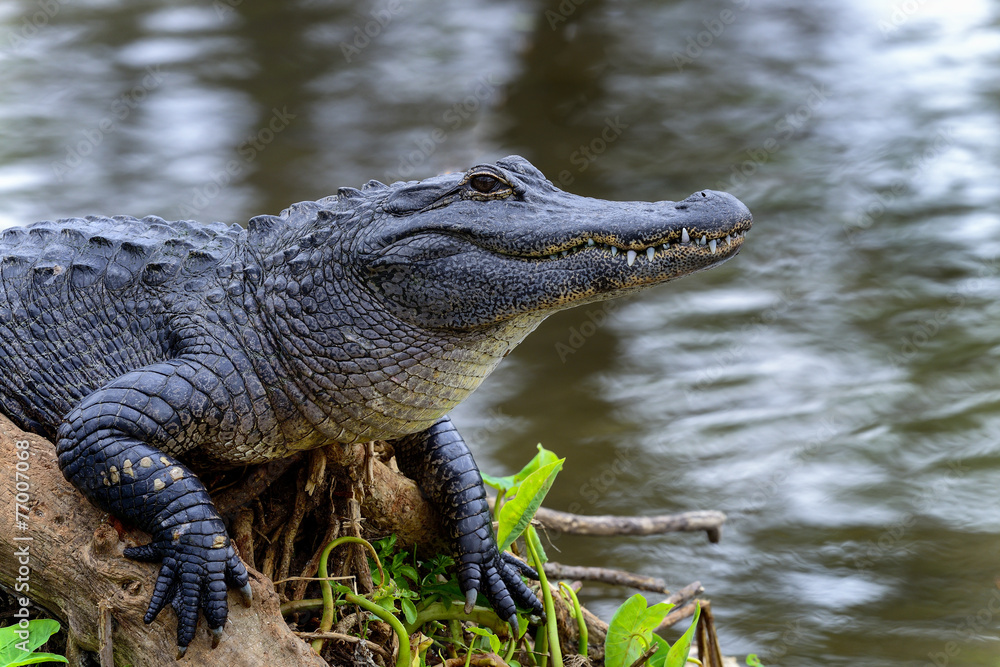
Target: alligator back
88,299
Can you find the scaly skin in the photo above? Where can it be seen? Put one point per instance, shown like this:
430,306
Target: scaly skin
144,347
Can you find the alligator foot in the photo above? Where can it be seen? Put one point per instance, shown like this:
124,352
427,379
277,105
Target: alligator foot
443,467
199,564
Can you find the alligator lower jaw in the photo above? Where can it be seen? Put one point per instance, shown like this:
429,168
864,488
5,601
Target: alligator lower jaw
723,246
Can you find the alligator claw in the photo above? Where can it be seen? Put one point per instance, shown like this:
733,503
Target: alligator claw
499,579
524,568
181,650
512,621
198,565
470,599
246,595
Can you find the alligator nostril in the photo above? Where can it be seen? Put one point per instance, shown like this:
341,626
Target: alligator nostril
703,194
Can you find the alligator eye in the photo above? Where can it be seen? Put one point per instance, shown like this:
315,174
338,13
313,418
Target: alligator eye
484,183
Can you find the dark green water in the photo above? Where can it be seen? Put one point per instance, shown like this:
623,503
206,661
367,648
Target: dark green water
834,388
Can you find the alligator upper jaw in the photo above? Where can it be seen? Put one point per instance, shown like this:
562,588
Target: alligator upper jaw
715,220
706,244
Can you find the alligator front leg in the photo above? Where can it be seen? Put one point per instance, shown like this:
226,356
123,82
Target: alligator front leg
442,465
107,449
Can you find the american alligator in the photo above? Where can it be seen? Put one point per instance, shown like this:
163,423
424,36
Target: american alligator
136,344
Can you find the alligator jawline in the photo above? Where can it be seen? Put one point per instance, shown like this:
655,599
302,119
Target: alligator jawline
681,240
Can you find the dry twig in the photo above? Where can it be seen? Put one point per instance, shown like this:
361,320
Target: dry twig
607,576
608,525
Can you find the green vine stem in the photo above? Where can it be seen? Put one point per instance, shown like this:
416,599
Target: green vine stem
542,647
326,622
578,614
510,650
534,549
403,659
455,611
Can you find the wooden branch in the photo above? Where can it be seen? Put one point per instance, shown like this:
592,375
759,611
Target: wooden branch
646,655
685,594
709,521
76,566
677,615
607,576
709,650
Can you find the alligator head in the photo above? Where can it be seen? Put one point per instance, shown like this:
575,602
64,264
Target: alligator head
467,250
415,291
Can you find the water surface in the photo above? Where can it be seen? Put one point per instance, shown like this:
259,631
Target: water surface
833,389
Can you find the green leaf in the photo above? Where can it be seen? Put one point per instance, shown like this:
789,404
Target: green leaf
36,658
543,457
660,656
678,654
493,640
39,631
754,661
530,534
409,572
516,514
631,630
501,484
388,603
409,610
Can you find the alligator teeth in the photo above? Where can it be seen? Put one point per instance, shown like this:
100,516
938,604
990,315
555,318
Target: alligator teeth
633,255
